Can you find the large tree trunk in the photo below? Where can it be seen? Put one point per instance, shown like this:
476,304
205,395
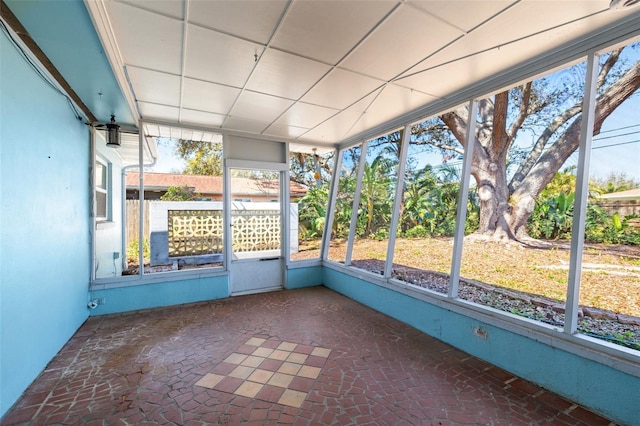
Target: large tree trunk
505,207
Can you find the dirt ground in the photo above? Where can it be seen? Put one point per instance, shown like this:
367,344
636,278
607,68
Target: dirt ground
610,278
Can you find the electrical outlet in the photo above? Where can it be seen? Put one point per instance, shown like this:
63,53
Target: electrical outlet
116,255
481,333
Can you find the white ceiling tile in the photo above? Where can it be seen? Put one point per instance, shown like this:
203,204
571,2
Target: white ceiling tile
306,115
510,27
462,14
147,82
143,35
273,74
201,118
311,148
172,8
219,58
158,112
284,131
403,40
453,76
327,30
341,88
209,97
245,125
251,20
387,105
335,129
260,107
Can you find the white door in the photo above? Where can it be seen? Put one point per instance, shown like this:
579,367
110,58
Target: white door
256,227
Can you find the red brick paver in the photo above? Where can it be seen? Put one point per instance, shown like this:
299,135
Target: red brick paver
357,366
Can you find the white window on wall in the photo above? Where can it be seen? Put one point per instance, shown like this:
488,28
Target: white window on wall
102,189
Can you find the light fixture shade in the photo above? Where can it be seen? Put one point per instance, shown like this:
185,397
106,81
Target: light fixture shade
113,133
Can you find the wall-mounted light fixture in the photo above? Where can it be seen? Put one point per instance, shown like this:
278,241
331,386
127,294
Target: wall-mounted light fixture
113,133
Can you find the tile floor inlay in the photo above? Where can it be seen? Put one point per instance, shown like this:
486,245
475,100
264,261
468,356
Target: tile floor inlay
266,366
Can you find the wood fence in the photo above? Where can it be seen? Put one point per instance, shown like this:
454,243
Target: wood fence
133,218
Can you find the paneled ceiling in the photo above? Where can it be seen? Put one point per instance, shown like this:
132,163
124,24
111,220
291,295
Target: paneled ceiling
322,72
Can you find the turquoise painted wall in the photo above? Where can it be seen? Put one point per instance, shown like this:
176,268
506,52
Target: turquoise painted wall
156,294
604,389
309,276
44,223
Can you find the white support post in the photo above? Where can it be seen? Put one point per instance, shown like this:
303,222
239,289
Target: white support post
328,223
582,191
92,197
397,202
356,203
141,199
461,216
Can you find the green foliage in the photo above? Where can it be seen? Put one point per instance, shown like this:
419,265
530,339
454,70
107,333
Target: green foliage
133,250
601,227
179,193
202,158
615,182
417,231
553,215
312,210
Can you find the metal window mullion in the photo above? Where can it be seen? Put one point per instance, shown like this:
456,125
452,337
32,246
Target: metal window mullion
582,191
331,203
461,215
141,200
356,203
397,202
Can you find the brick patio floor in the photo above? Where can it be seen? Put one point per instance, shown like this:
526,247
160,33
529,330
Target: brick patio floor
303,357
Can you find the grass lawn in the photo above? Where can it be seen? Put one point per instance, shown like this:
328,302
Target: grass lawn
610,276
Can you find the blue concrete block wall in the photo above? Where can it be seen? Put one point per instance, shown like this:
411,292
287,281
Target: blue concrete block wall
308,276
44,223
602,388
158,294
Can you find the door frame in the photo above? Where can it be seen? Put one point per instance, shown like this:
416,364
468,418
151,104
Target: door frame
230,264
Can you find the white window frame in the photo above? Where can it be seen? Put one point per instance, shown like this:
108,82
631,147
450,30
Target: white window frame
106,165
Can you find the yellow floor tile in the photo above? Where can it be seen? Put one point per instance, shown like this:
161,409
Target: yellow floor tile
264,352
287,346
281,380
249,389
255,341
323,352
289,368
292,398
242,372
235,358
297,358
309,372
209,380
252,361
260,376
279,355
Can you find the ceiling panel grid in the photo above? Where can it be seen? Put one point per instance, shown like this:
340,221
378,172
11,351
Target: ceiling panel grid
321,71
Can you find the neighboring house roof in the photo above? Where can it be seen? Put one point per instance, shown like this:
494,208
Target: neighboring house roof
209,184
631,194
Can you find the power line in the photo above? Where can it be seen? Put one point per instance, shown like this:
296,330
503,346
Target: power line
620,128
615,144
616,136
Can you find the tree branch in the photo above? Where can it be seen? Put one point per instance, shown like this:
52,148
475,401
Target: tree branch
522,114
607,66
538,176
